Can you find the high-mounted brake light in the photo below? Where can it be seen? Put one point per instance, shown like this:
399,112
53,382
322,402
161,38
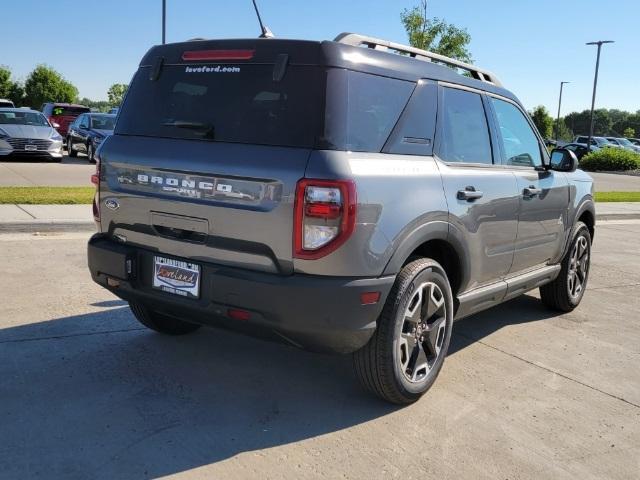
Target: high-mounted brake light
324,218
195,55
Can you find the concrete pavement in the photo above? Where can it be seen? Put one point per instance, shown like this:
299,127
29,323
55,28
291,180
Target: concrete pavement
525,393
71,172
30,218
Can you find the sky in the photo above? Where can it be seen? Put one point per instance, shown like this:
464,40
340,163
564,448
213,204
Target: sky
530,45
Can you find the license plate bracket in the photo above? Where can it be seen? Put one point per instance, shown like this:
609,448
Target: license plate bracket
31,148
177,277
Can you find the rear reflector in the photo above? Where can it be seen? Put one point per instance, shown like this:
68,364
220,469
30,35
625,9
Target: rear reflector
369,298
237,314
195,55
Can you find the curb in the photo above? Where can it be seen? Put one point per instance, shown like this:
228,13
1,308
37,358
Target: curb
33,226
617,216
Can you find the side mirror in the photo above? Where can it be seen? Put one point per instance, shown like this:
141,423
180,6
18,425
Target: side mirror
55,125
563,160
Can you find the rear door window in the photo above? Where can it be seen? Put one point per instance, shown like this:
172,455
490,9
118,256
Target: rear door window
240,104
464,131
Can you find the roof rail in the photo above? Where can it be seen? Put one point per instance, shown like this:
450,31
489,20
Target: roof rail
357,40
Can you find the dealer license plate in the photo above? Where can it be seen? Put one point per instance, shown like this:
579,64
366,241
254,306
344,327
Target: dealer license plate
176,276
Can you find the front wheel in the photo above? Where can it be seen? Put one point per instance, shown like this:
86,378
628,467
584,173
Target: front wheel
160,322
407,350
566,291
72,153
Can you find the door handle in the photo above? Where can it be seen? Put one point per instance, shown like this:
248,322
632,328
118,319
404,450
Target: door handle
469,194
531,191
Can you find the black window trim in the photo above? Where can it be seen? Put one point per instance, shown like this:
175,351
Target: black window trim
438,135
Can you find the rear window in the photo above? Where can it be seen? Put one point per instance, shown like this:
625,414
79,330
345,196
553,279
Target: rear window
103,122
65,111
362,109
225,103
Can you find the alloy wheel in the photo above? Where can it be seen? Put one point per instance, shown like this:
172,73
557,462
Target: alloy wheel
578,267
423,332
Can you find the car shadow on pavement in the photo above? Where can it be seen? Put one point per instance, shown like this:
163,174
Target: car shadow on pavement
97,396
523,309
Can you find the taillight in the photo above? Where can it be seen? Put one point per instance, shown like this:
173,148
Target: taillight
324,218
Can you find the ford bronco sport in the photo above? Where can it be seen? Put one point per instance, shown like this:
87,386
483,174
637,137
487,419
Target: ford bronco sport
351,196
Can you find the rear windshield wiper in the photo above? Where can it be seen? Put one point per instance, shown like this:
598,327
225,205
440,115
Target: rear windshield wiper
206,128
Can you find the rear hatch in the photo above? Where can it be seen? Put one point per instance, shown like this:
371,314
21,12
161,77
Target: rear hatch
208,147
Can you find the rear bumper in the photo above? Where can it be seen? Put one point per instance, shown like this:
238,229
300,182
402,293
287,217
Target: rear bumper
313,312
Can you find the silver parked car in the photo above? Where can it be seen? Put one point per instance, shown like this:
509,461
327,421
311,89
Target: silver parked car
624,143
28,132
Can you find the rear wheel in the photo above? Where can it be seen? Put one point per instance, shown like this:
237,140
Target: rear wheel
566,291
70,150
407,350
160,322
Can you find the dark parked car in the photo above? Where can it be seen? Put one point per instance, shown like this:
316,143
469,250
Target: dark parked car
579,149
62,114
87,132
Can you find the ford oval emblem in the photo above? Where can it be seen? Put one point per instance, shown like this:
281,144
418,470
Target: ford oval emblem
111,203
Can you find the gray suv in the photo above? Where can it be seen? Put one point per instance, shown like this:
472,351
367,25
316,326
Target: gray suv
336,196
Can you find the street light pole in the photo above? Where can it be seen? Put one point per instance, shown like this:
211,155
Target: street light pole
559,106
164,21
595,85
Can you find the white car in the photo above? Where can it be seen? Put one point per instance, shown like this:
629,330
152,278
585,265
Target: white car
28,133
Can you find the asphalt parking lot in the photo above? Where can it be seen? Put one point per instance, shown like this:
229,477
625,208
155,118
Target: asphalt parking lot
525,393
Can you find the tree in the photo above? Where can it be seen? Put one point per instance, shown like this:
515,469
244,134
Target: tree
116,93
579,122
44,84
10,89
435,34
629,132
543,121
100,105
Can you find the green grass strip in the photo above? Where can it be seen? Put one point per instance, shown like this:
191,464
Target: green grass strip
46,195
84,195
618,196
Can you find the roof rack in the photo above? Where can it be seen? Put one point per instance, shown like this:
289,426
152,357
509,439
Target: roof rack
357,40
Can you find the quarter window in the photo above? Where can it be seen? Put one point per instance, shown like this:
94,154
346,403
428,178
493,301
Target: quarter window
519,142
464,131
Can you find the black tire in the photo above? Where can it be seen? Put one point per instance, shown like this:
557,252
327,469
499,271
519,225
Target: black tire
90,152
563,293
70,151
384,364
161,323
